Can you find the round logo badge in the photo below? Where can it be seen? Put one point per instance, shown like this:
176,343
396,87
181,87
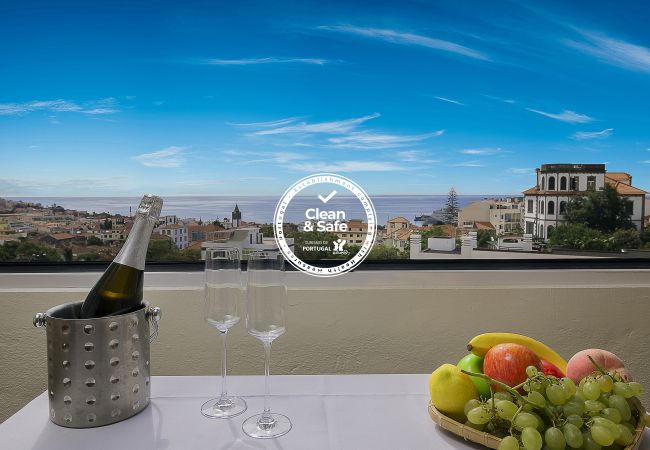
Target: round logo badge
333,218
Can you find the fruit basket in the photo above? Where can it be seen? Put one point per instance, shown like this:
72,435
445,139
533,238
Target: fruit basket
490,441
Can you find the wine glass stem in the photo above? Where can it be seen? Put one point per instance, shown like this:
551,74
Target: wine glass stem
267,366
224,387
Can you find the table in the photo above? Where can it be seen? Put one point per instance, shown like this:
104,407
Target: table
328,412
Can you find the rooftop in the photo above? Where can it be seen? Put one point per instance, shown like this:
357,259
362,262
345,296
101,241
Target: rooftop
573,168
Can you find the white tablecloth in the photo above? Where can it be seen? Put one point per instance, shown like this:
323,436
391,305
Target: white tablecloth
327,411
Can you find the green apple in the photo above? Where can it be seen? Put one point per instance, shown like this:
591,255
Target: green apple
473,363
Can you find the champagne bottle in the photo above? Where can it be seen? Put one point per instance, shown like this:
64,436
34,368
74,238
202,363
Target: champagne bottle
119,290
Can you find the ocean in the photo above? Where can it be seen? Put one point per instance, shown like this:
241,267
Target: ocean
258,209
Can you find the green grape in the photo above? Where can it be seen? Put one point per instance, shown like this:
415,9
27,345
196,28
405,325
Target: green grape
575,419
572,435
523,420
573,407
531,371
618,402
506,409
568,382
637,389
556,395
531,439
479,416
589,443
579,396
626,436
594,406
602,435
606,383
471,404
475,425
509,443
630,427
537,386
591,390
611,426
582,383
537,398
528,407
502,396
623,389
612,414
554,439
540,422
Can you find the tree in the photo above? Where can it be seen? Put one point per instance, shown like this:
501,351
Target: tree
604,210
217,223
28,251
67,254
162,250
267,230
485,237
94,240
107,224
450,210
385,253
580,236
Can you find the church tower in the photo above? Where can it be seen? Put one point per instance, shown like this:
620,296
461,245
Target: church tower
236,217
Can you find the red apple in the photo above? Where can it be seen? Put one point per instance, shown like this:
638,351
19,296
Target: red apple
507,363
580,366
551,369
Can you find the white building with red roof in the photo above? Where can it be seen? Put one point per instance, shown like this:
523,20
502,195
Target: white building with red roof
557,184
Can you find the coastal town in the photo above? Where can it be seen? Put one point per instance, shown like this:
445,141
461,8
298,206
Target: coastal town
492,227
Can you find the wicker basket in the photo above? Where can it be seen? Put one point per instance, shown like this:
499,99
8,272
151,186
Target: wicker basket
486,439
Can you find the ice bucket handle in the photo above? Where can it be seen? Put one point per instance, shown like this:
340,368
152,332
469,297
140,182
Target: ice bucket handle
153,315
39,320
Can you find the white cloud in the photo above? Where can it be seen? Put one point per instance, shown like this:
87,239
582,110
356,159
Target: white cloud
612,51
276,157
504,100
269,124
468,164
333,127
583,135
268,60
103,106
483,151
69,185
167,158
565,116
345,166
368,140
448,100
100,111
415,156
521,170
398,37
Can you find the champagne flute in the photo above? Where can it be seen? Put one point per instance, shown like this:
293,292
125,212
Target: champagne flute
266,314
223,297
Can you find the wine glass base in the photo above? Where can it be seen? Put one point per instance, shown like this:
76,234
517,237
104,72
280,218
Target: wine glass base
220,408
266,426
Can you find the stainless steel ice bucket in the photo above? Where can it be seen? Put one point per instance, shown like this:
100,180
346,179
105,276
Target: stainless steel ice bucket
98,369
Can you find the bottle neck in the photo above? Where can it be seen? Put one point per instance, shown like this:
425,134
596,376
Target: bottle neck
134,250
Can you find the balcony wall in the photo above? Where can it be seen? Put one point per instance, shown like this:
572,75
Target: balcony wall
364,322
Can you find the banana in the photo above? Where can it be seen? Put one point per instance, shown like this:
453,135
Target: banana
480,345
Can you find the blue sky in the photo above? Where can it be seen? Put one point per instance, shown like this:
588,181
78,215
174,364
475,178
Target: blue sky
246,97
